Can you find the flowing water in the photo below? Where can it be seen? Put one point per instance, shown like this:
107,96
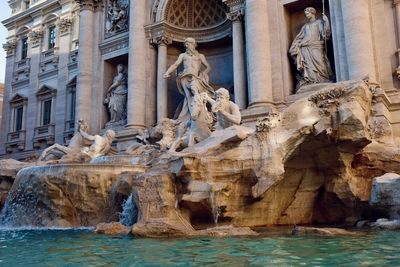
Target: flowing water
129,212
274,248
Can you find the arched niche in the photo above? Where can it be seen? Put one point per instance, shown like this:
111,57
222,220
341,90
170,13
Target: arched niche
204,20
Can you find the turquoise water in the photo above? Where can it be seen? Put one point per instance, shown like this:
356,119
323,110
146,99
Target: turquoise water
274,248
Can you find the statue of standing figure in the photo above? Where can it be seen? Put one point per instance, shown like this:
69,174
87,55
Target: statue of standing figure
192,75
117,97
309,50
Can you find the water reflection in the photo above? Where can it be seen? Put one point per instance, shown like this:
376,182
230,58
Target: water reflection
82,248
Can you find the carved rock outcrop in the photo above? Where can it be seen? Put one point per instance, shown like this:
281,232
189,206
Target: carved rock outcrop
63,196
314,162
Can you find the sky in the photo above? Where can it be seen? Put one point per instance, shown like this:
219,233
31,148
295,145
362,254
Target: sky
5,12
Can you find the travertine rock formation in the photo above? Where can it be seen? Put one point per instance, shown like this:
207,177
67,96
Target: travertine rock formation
385,194
312,163
63,196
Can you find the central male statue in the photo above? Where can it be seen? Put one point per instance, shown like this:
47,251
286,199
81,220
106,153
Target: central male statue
192,75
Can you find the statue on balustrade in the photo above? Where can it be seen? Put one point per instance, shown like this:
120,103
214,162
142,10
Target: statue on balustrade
309,50
117,98
117,16
192,74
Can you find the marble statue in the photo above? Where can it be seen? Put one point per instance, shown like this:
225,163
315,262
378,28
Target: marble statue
75,145
192,73
101,144
117,16
117,97
200,122
227,112
309,50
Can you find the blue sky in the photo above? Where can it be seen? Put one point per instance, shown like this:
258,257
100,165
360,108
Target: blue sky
4,13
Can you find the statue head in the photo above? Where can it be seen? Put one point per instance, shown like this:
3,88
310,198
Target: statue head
120,68
222,94
310,12
190,44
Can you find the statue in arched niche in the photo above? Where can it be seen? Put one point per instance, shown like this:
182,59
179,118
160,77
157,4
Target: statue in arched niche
117,98
309,50
192,75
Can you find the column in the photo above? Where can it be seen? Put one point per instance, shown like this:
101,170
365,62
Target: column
137,62
239,70
258,54
396,4
359,39
85,61
10,48
162,84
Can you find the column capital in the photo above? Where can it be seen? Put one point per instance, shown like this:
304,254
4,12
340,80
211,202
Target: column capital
86,4
35,37
396,2
236,9
64,25
10,46
161,40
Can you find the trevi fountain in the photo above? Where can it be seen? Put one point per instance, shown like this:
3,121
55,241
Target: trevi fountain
315,182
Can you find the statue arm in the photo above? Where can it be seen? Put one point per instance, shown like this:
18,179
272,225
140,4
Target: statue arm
295,47
174,66
206,64
326,26
87,136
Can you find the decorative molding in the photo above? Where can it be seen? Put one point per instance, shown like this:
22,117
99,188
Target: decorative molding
163,28
35,37
90,5
10,47
161,40
120,42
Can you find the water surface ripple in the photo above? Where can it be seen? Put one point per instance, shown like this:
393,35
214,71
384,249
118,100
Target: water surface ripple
274,248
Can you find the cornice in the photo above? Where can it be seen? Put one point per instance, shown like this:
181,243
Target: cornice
29,13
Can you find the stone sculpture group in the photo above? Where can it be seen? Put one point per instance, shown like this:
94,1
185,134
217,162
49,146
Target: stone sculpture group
203,110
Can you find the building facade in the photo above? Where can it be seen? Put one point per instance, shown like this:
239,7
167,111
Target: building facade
63,58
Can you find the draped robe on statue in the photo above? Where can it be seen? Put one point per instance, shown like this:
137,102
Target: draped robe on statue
308,50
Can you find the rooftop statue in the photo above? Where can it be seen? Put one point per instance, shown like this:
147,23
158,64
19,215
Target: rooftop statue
192,73
309,50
